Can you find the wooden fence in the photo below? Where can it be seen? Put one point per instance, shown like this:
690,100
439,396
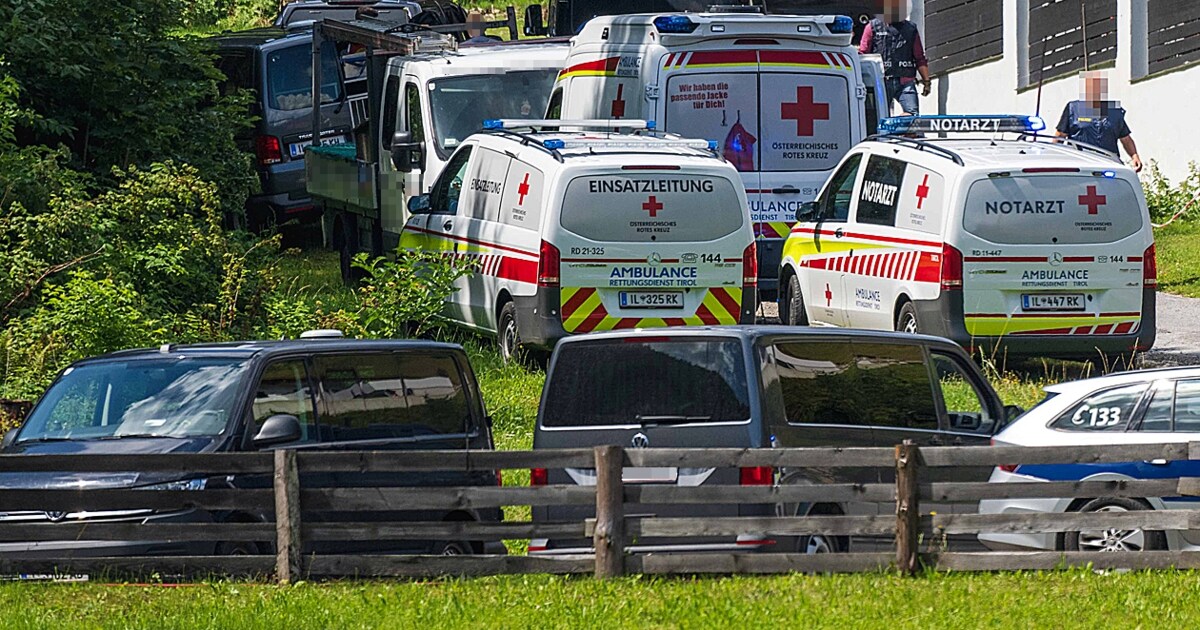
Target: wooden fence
285,501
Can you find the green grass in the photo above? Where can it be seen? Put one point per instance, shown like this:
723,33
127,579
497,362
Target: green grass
1178,249
1076,599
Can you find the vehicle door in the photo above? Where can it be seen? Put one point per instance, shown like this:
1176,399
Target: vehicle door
289,105
478,222
824,251
431,228
285,388
877,106
1173,415
397,182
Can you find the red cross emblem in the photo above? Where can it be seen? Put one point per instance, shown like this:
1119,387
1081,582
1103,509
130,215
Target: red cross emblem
828,296
1093,200
618,104
522,190
652,205
805,111
923,191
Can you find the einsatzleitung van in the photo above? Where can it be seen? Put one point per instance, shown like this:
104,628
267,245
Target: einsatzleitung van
784,96
576,231
1006,241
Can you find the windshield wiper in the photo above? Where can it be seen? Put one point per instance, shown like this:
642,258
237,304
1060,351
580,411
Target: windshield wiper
45,439
135,435
668,419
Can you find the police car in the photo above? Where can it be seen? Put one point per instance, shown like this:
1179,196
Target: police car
577,231
996,238
786,96
1144,407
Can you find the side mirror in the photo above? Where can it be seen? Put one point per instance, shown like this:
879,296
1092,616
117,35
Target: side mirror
534,25
10,436
808,212
1012,412
406,154
278,429
418,204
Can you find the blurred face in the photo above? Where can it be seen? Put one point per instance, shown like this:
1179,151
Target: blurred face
1095,88
894,10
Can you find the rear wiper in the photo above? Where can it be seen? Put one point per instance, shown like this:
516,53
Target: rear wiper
646,420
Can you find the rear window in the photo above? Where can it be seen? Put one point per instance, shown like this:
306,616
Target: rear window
1052,209
666,207
645,382
289,77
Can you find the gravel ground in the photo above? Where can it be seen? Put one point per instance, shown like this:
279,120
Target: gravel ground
1177,342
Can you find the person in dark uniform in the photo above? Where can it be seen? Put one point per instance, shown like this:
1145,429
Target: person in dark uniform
1097,121
898,42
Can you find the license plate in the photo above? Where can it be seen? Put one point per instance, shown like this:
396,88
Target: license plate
650,475
648,299
1053,302
297,148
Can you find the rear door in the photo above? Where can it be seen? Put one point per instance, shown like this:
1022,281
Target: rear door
1053,252
821,250
651,246
289,99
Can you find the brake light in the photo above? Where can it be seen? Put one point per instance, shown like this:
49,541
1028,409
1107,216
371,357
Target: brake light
650,167
1008,468
1150,267
1049,169
750,266
538,476
499,477
952,268
757,476
548,265
267,149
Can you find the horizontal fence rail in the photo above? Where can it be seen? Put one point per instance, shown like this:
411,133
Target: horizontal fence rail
283,508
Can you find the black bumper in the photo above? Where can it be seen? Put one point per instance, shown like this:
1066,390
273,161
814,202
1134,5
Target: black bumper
943,317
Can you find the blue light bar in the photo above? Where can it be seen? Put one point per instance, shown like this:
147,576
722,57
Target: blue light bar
841,24
650,124
712,145
554,144
961,124
493,123
674,24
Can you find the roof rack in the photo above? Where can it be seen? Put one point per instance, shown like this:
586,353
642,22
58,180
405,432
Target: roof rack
582,123
554,146
919,144
1081,146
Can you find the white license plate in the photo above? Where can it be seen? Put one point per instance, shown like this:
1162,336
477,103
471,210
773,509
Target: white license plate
651,299
650,475
297,148
1053,302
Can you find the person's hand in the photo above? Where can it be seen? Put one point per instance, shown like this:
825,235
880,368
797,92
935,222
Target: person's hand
926,87
1136,163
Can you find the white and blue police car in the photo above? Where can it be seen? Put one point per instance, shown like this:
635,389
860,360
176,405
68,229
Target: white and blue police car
1143,407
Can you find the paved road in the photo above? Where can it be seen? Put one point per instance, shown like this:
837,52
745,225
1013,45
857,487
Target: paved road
1177,343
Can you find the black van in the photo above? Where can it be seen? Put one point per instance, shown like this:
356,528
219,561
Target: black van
316,394
276,66
754,387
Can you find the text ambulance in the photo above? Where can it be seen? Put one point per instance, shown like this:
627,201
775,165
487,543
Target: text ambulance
572,232
1022,244
784,96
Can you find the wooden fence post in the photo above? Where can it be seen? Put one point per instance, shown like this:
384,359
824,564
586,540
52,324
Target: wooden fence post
908,507
609,534
287,517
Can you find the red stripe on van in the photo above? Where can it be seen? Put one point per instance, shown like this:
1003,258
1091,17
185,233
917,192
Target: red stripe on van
465,239
749,57
1103,329
731,306
599,65
517,269
627,322
706,316
794,56
576,301
928,269
1123,328
868,237
674,321
590,322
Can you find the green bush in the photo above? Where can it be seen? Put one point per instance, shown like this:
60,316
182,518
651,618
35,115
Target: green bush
405,296
1165,199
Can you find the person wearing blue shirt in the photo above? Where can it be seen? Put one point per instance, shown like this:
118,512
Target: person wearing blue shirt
1097,121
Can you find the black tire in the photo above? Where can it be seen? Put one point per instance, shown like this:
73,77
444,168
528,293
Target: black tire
906,319
241,548
508,335
791,304
452,548
1112,539
822,543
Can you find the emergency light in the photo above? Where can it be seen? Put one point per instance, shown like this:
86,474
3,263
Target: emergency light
628,143
587,123
841,24
961,124
674,24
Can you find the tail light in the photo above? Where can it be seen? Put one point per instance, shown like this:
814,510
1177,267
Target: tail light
952,269
538,476
1008,468
1150,267
499,477
268,150
750,266
548,265
757,476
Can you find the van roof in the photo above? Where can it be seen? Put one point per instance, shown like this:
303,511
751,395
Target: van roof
756,334
248,349
594,144
640,28
542,54
1005,152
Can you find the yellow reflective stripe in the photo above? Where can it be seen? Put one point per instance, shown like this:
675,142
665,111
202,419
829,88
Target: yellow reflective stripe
998,326
798,246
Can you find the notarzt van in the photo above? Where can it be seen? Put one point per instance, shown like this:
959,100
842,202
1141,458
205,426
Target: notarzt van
785,97
573,232
1010,242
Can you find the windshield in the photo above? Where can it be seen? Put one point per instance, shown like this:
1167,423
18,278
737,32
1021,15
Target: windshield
461,104
647,382
167,397
289,77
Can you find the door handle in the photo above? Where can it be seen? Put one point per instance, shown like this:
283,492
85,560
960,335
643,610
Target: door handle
839,233
447,225
786,190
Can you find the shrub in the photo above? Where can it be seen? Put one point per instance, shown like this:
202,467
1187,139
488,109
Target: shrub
1165,199
404,297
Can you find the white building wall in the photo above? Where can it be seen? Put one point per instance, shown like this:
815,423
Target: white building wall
1162,110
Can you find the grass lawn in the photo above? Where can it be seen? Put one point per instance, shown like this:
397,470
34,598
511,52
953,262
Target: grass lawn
1076,599
1178,249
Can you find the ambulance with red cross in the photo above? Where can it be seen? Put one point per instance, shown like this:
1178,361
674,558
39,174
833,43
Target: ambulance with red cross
575,230
785,96
1001,239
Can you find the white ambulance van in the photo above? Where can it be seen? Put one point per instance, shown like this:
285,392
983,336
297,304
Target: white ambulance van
784,95
1004,241
575,231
